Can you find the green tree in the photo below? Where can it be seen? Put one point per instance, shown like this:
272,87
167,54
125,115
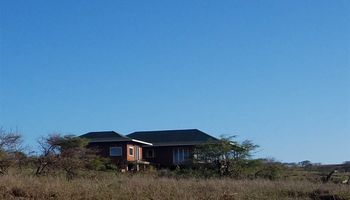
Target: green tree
73,154
68,153
268,169
226,156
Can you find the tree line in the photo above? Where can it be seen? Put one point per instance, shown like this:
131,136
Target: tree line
56,152
69,154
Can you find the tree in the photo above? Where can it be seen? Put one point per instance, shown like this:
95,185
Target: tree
10,145
73,154
224,149
48,147
67,153
268,169
305,163
225,156
10,141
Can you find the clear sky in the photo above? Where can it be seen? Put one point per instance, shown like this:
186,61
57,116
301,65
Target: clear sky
275,72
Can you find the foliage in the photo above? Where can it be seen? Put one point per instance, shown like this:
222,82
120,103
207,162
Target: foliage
73,154
100,164
68,153
5,162
10,141
305,163
48,154
269,169
10,146
225,157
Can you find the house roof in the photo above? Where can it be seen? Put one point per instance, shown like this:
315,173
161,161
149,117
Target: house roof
173,137
109,136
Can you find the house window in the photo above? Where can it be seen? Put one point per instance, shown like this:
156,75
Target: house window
115,151
131,151
180,155
150,153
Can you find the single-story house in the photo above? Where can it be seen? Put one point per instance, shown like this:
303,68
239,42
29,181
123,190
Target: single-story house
160,148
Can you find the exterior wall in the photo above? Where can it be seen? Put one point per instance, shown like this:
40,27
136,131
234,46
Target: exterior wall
128,156
163,156
103,150
141,153
133,157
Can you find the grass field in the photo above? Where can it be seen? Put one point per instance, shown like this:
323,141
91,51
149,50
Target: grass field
108,185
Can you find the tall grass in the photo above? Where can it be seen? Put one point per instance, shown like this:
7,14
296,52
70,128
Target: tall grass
123,186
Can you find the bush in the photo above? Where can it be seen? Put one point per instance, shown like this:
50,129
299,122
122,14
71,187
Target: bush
111,167
99,164
5,162
269,170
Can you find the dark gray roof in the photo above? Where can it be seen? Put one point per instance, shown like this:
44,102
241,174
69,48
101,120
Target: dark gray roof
108,136
103,134
173,137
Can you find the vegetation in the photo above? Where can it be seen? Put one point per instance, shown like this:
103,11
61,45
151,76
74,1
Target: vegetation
67,153
10,147
64,168
230,158
108,185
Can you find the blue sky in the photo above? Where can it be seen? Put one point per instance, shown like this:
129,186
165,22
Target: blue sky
275,72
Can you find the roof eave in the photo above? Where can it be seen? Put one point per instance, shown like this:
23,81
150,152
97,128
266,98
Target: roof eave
142,142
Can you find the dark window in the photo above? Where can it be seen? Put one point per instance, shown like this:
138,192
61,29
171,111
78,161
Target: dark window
115,151
131,151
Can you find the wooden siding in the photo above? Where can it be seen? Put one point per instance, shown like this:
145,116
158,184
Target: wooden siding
133,157
103,150
163,156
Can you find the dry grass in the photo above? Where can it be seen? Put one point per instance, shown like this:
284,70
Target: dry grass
111,186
